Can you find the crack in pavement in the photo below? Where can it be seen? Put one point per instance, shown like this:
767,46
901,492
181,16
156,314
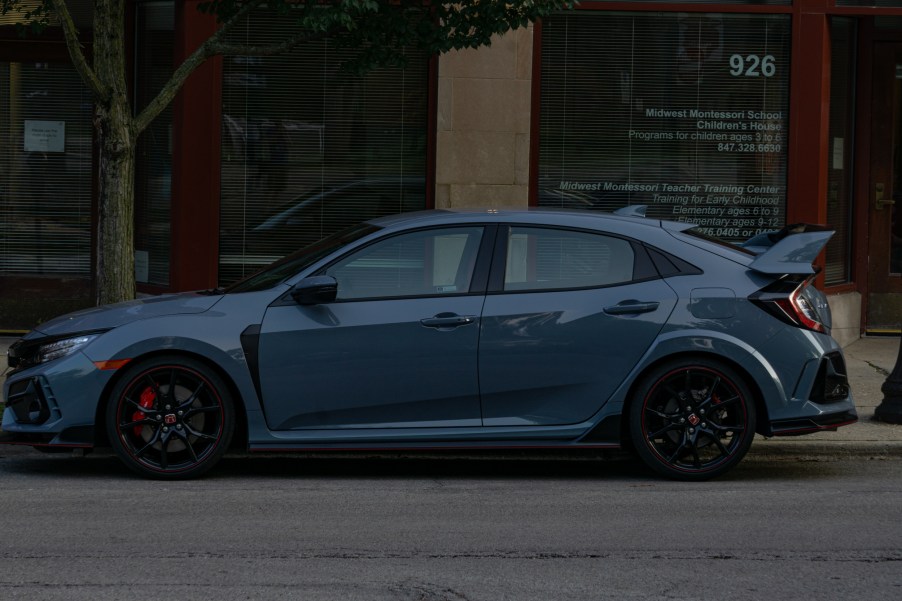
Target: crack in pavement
424,591
879,369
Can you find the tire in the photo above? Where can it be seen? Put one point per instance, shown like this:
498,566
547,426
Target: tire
170,437
692,419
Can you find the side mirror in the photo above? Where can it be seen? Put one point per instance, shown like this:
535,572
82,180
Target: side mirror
315,290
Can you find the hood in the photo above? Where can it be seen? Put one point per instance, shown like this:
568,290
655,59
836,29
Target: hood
111,316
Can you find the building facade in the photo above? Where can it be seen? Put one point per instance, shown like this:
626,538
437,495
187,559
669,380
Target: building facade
739,115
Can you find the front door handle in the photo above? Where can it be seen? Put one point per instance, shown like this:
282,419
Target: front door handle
630,307
448,320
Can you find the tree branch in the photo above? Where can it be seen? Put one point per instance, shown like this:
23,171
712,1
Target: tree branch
272,49
75,52
214,46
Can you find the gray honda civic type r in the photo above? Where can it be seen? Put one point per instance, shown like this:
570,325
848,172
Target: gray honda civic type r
455,330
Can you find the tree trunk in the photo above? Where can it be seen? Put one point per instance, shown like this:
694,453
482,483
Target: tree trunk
115,127
116,247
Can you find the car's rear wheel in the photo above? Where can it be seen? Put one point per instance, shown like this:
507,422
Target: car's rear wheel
692,419
170,418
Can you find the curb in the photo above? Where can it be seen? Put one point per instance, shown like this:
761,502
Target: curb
763,450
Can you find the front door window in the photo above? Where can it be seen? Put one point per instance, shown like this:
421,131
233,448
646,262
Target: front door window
427,263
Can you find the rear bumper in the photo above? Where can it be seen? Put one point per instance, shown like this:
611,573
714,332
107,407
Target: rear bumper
809,425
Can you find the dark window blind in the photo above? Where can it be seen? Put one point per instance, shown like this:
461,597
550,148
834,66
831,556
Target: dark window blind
154,23
684,112
81,11
45,170
308,149
839,157
585,3
871,3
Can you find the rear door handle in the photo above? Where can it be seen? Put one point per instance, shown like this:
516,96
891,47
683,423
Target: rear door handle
448,320
631,307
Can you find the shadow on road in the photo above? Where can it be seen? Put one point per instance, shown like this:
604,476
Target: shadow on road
487,466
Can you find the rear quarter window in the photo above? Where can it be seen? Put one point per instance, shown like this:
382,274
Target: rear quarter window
548,259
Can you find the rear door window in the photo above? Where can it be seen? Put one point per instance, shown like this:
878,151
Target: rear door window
554,259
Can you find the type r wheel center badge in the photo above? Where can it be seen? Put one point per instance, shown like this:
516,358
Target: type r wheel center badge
693,419
170,419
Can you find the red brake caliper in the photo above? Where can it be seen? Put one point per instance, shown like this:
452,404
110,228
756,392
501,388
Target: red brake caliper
148,396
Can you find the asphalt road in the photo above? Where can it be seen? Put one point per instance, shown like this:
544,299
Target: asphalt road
449,529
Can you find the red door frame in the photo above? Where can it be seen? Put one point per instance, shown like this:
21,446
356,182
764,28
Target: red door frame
196,118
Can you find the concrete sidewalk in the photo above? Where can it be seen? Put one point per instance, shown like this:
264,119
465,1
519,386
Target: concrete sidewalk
869,361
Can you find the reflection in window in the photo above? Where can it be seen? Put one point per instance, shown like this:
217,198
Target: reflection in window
685,112
45,170
153,169
544,259
428,263
839,158
895,241
308,149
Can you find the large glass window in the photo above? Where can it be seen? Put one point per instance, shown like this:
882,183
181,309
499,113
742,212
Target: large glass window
684,112
839,157
771,2
871,3
153,170
308,149
45,170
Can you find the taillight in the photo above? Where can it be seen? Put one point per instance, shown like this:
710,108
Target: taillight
790,300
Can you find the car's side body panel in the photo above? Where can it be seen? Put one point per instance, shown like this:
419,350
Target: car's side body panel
552,358
371,364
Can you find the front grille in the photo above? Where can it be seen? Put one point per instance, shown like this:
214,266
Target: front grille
21,355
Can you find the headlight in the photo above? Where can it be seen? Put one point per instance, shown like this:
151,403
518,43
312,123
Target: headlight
29,353
61,348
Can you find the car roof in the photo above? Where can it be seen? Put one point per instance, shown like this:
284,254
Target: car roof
531,215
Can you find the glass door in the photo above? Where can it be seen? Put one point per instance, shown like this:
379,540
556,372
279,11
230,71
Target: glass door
884,311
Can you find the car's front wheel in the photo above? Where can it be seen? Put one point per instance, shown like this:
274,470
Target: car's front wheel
170,418
692,419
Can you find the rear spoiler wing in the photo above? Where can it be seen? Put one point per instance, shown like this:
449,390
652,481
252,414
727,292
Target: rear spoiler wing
790,250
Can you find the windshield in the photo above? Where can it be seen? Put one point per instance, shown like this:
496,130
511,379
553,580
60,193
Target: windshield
288,266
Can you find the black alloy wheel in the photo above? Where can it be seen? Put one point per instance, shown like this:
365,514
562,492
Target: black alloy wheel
692,419
170,418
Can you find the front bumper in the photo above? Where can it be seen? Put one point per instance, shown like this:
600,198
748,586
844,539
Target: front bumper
54,403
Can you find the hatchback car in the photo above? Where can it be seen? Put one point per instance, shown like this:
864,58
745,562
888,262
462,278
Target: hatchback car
455,330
